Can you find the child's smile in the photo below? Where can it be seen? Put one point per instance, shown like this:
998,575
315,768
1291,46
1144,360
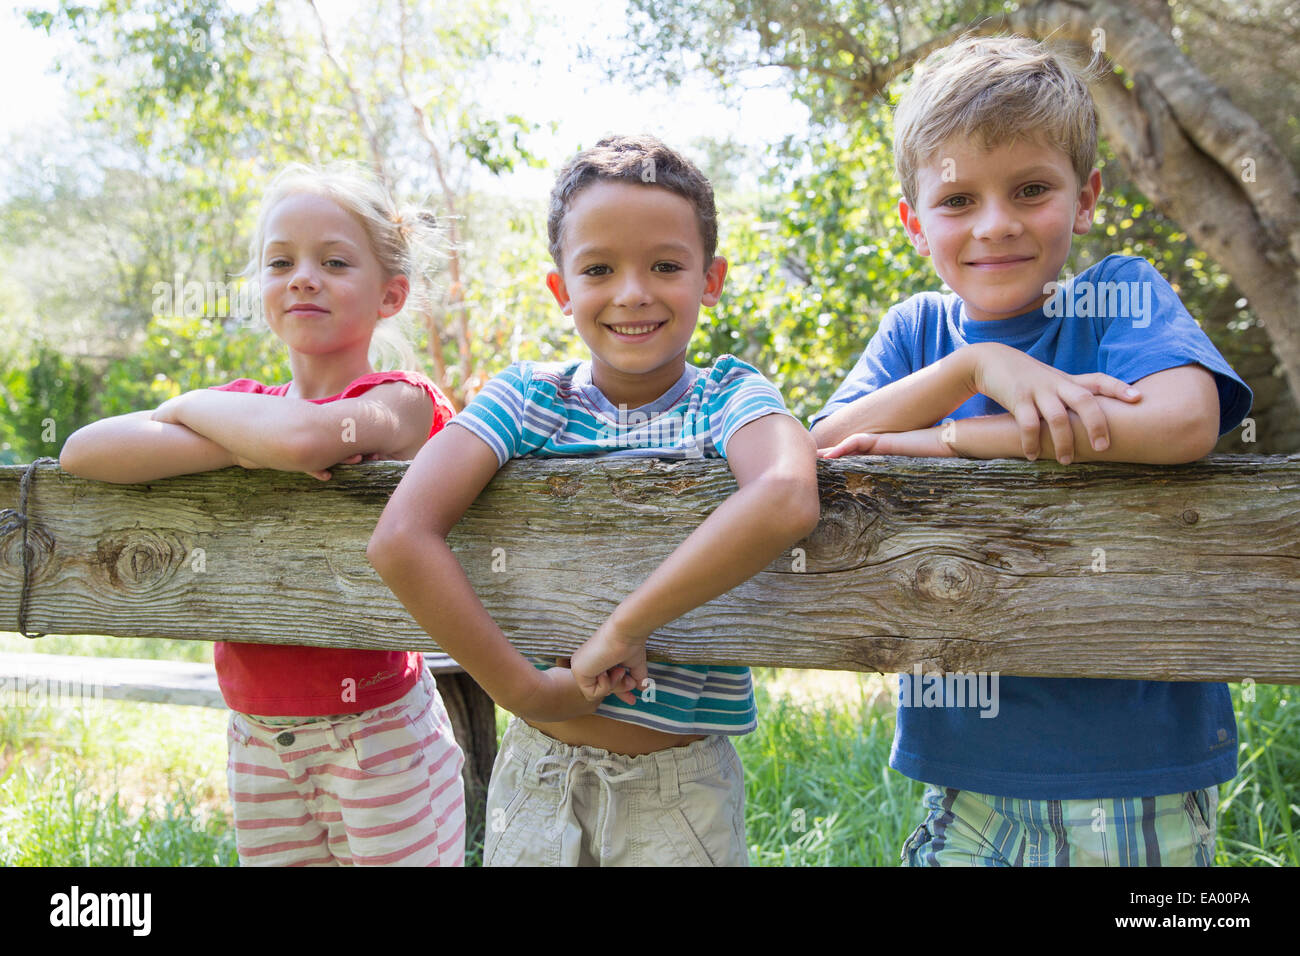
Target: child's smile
636,333
998,222
633,278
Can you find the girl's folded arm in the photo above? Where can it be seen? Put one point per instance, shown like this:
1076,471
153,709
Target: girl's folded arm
291,434
132,448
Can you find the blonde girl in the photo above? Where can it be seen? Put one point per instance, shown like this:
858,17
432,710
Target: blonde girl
336,756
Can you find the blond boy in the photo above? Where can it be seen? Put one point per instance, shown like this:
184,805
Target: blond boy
995,143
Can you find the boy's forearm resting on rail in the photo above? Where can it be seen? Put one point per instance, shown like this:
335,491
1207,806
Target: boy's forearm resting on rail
409,550
424,574
909,403
775,506
1176,421
1018,382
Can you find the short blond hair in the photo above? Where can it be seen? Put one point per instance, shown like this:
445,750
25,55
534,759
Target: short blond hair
995,90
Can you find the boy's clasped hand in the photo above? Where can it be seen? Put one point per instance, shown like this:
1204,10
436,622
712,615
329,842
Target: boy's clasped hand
1032,391
610,662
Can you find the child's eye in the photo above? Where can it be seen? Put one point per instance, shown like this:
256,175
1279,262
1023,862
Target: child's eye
596,270
336,263
279,262
1033,190
956,202
666,267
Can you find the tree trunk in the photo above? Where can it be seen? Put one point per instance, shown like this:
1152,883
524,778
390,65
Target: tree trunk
1208,165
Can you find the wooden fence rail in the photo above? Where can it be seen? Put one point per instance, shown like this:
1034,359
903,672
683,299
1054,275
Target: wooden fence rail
1183,573
1176,573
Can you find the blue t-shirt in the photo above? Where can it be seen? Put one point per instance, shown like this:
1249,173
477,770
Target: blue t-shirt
555,410
1063,738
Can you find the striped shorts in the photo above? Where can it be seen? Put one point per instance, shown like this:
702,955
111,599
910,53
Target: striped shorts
379,788
963,828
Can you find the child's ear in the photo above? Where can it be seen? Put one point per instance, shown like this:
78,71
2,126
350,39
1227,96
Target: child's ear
1087,206
555,282
912,224
396,290
713,276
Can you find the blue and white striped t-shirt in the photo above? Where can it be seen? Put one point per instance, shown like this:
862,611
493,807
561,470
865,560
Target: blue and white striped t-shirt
552,410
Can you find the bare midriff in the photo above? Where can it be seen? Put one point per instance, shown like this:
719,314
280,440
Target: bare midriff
616,736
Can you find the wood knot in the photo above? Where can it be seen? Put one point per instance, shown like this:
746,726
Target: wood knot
679,485
562,486
632,492
137,559
40,543
1190,517
856,483
847,534
945,579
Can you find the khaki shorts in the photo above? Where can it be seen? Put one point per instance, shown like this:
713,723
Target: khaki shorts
552,804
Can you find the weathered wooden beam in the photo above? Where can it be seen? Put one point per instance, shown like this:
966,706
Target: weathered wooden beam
1189,572
67,680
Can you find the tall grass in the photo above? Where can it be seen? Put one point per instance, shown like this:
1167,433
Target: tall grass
130,784
113,784
157,648
1259,809
818,788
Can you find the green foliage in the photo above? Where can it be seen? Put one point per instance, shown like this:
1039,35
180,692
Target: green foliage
52,815
150,648
1259,809
50,395
180,353
822,256
814,269
511,315
819,791
818,788
828,48
44,403
113,784
191,105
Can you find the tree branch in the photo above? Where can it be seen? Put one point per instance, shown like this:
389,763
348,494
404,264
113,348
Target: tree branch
358,104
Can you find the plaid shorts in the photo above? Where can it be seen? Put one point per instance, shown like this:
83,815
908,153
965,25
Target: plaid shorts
963,828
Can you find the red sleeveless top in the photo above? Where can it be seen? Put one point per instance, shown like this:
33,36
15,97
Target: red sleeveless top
285,681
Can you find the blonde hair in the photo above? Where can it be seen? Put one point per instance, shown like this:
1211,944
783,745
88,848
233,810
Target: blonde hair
405,241
995,90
